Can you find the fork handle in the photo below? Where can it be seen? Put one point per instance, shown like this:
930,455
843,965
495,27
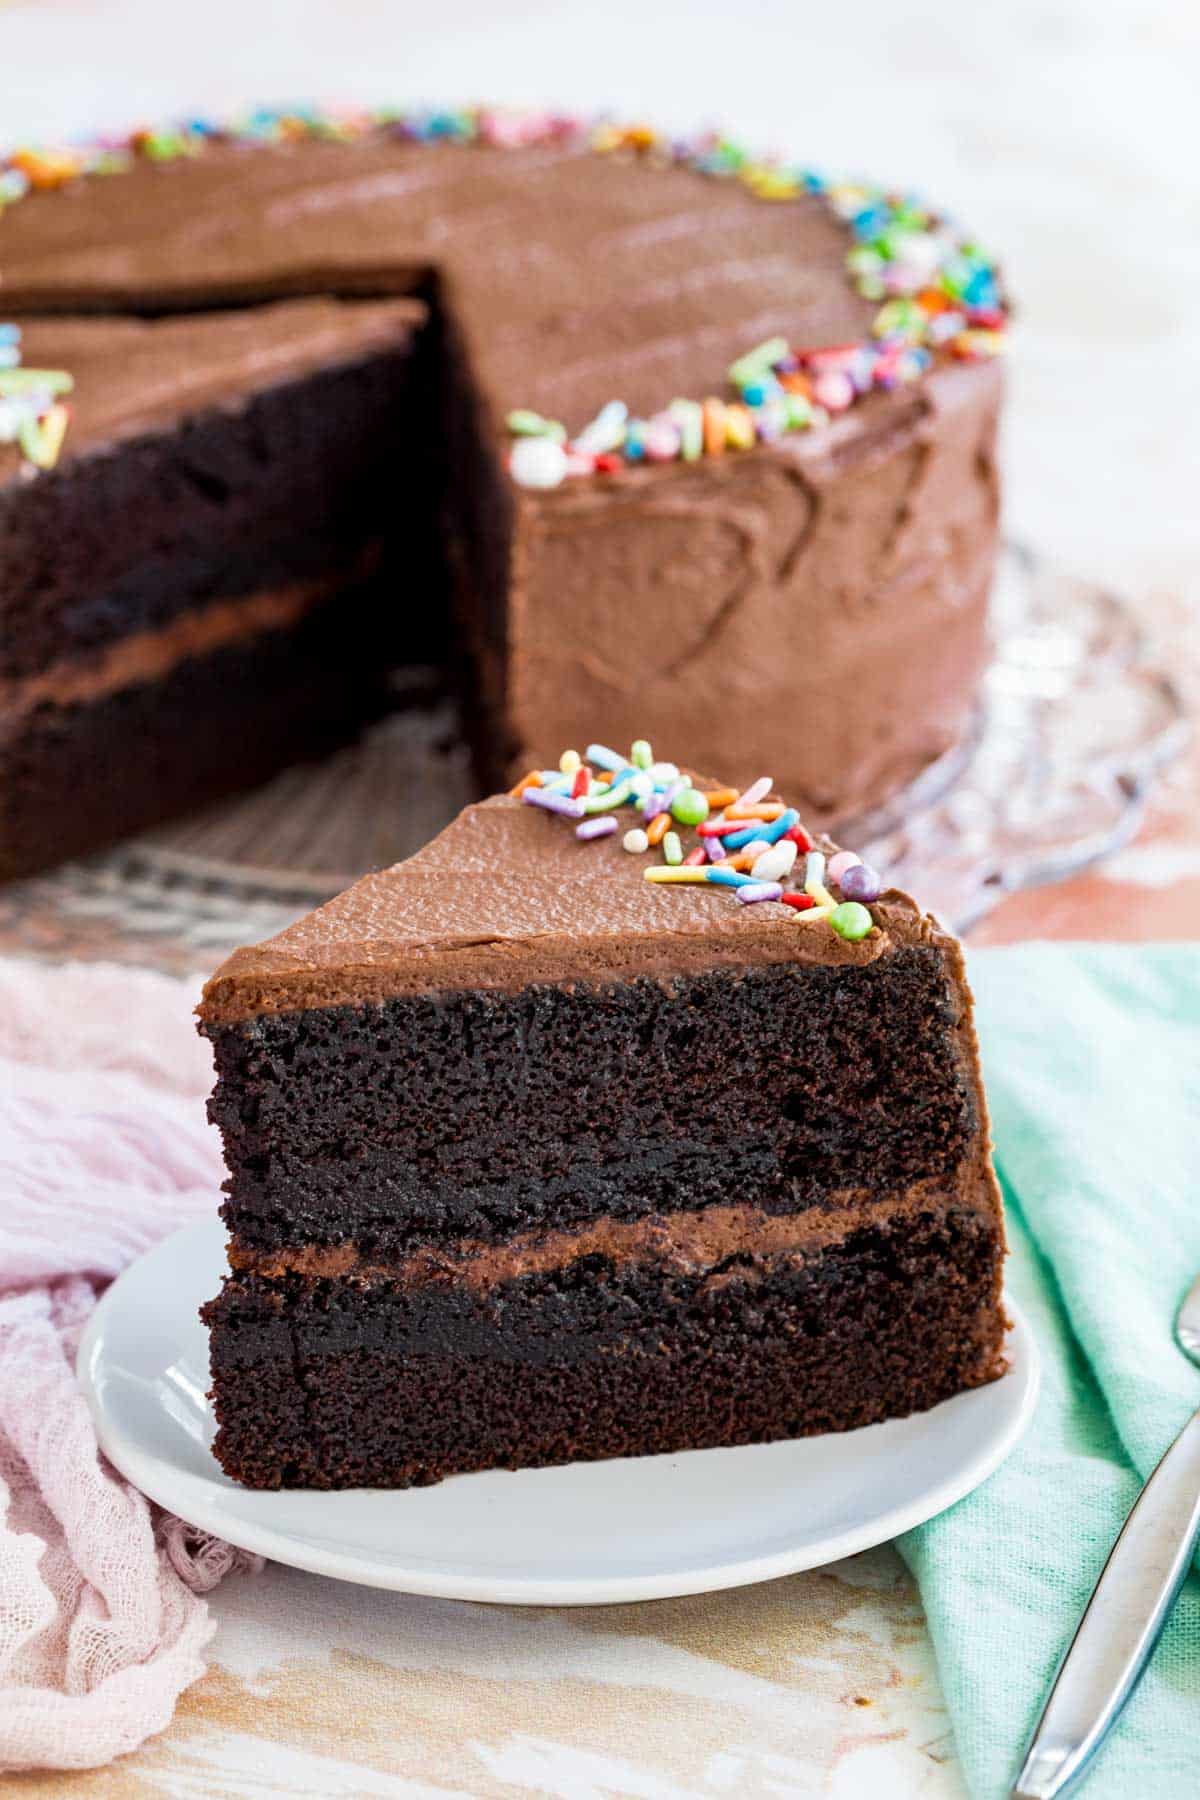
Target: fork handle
1121,1624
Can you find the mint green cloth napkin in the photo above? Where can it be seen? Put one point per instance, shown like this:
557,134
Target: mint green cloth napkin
1092,1062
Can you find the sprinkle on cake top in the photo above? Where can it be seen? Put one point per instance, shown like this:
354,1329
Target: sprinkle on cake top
938,291
747,841
32,414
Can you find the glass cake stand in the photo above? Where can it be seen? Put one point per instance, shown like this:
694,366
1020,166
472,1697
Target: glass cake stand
1074,723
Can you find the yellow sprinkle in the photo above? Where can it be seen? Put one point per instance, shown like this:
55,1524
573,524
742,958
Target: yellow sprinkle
814,913
739,428
663,872
569,762
54,430
814,883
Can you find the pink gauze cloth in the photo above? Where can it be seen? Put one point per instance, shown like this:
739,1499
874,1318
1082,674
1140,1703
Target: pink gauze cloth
104,1149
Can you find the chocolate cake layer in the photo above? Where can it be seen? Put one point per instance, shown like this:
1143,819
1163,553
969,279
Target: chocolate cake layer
841,573
513,1029
134,756
219,591
425,1119
325,1383
209,457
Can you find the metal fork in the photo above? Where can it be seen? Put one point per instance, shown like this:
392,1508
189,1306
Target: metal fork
1124,1618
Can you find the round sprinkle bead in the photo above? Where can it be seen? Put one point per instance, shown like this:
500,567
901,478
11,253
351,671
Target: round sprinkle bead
636,841
851,921
839,863
538,462
672,849
862,882
689,807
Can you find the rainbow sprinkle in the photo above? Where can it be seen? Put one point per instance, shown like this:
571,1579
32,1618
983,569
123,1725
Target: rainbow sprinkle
939,294
756,859
32,415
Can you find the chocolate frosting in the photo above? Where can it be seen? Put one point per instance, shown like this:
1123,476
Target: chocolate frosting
507,895
679,1242
574,276
816,609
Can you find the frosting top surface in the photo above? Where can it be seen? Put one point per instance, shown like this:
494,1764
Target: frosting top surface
507,895
573,276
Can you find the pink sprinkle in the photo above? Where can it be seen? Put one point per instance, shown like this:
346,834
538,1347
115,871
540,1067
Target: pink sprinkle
758,790
834,390
840,862
661,442
694,858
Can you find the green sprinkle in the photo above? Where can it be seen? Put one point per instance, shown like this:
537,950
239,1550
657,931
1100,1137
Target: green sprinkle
690,807
608,799
640,754
851,921
797,412
757,361
34,381
33,445
673,850
523,423
689,417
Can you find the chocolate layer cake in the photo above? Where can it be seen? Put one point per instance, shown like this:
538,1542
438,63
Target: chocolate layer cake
212,581
823,542
541,1148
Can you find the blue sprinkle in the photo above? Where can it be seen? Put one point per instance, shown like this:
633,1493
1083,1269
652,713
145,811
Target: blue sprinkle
765,834
779,826
870,221
981,289
603,757
728,877
756,393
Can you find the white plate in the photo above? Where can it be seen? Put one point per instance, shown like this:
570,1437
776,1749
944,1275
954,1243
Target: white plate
591,1533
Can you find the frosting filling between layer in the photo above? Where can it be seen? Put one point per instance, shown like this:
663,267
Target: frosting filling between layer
150,655
677,1242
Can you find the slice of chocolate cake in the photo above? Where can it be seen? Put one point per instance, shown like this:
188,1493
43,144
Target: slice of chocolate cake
542,1148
